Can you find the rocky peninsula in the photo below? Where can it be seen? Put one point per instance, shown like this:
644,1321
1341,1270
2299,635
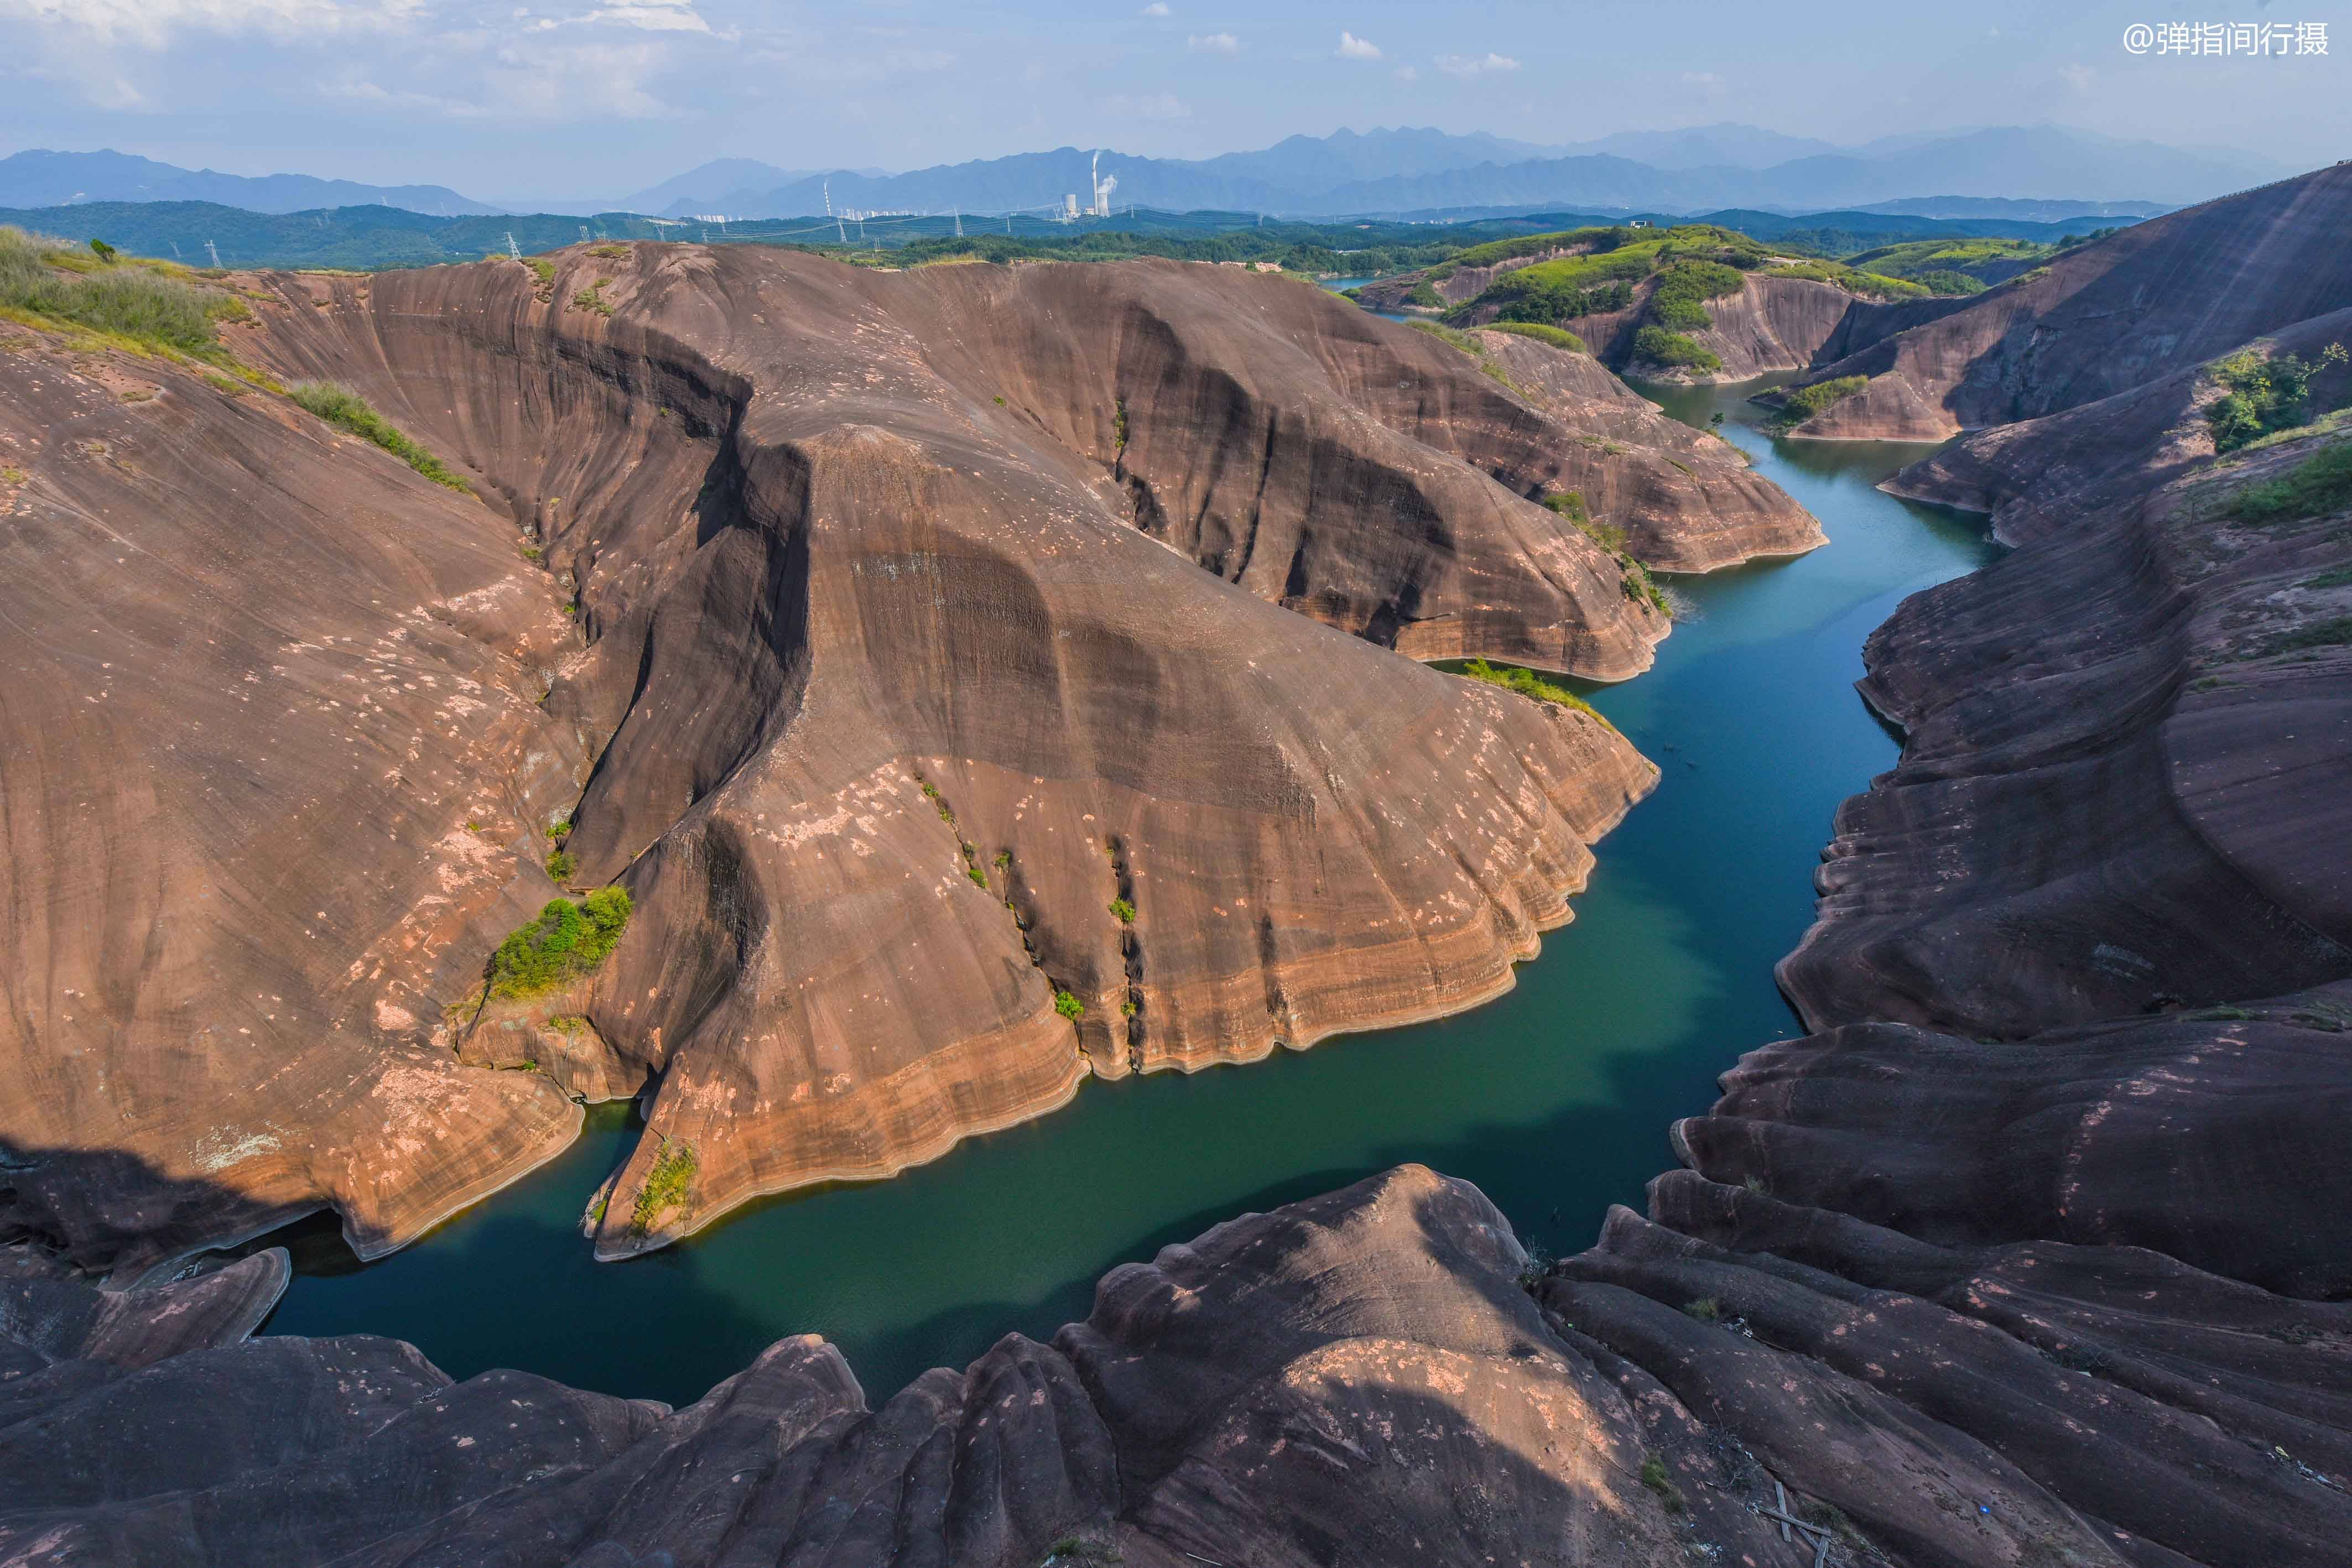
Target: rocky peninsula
856,623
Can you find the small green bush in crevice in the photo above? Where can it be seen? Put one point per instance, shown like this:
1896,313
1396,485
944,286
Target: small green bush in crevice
1123,911
1636,583
2318,484
593,299
567,940
1634,578
346,410
1654,1477
1068,1005
1568,504
560,866
1608,536
666,1184
1450,336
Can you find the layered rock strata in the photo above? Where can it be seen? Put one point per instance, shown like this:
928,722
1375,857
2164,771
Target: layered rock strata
1786,1364
856,621
2138,804
1362,1377
273,765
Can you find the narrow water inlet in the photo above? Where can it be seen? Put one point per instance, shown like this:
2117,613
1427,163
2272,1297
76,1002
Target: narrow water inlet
1554,1099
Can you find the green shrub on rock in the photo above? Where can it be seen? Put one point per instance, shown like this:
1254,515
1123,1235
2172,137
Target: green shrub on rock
567,940
666,1184
345,409
1678,302
1659,346
1526,683
1806,401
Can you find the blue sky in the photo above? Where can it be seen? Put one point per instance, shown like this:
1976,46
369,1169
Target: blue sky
580,98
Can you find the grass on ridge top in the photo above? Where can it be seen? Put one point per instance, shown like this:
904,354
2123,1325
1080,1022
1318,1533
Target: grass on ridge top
1558,337
1527,684
1468,342
341,406
146,306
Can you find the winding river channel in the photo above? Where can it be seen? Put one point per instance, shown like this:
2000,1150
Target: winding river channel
1555,1099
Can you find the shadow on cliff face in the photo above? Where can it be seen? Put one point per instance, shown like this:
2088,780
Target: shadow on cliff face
108,1201
658,1307
660,1327
675,1323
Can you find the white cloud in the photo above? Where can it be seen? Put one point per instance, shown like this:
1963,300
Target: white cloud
652,16
1703,81
150,24
2079,77
857,68
1472,65
1353,48
543,79
407,102
1406,73
1154,9
1158,106
1214,43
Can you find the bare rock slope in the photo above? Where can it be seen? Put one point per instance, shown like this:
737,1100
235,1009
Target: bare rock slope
2129,743
1772,324
858,622
272,762
2147,301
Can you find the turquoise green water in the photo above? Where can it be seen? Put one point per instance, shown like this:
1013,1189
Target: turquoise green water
1554,1099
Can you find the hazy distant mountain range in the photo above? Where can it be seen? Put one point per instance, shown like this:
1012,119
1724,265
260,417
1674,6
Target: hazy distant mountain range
43,178
1348,173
